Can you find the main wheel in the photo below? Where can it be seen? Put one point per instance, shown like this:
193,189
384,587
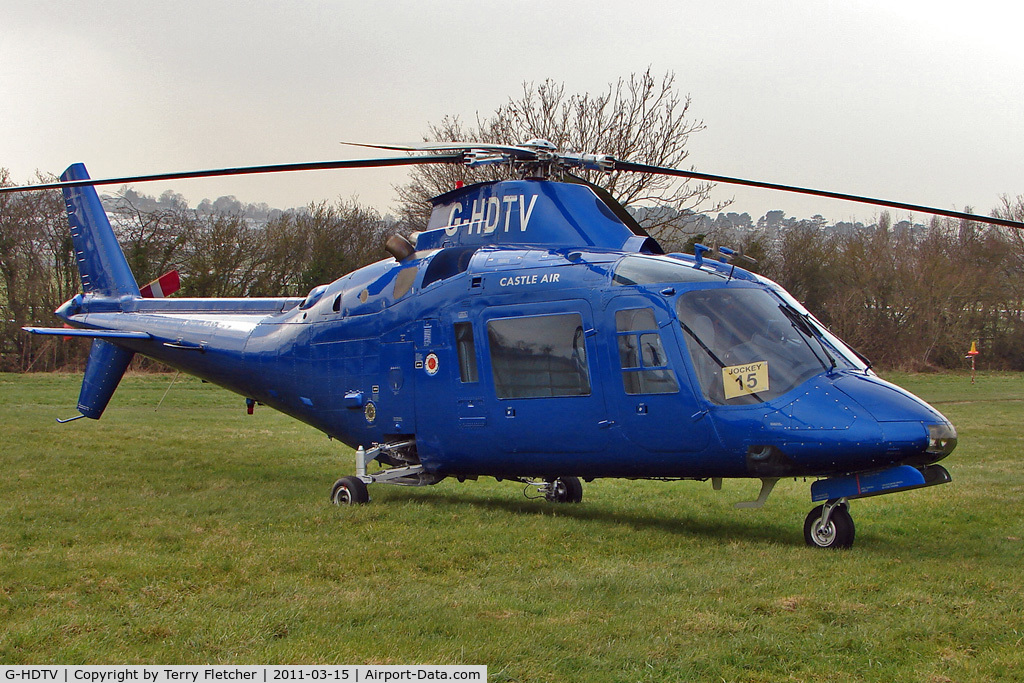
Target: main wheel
349,491
565,490
838,533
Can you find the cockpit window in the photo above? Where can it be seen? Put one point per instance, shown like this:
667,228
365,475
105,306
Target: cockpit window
748,346
448,263
313,296
648,270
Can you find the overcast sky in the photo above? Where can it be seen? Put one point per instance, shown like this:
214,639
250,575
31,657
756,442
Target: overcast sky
920,102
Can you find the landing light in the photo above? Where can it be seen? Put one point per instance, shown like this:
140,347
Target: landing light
941,439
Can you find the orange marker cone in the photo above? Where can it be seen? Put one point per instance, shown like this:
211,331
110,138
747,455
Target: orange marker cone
971,354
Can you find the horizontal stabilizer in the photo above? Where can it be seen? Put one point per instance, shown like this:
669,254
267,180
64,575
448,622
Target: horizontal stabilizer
94,334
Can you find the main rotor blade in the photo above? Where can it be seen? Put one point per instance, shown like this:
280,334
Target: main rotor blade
521,152
249,170
644,168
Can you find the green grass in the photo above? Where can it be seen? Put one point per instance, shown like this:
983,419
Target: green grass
198,534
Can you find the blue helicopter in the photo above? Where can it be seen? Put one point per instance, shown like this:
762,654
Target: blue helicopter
533,331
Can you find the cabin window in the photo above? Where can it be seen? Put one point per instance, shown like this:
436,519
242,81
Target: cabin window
539,356
403,282
467,352
641,354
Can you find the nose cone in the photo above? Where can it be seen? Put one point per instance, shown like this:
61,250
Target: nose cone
885,401
818,430
915,433
838,423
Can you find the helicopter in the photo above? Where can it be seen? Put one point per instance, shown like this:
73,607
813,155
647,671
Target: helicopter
532,332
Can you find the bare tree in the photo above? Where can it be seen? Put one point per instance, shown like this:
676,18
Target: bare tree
339,238
35,269
152,235
302,249
639,118
1010,334
222,257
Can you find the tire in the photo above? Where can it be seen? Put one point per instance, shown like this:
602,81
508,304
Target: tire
349,491
838,533
565,490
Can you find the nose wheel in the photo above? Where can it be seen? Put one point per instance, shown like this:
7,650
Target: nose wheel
349,491
829,526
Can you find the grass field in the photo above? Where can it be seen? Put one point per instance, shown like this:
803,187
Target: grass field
198,534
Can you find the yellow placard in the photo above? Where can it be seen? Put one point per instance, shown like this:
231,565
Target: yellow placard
749,378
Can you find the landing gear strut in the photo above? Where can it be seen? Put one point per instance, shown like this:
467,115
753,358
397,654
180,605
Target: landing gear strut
829,525
401,466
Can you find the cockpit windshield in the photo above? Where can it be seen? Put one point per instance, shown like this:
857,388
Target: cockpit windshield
749,346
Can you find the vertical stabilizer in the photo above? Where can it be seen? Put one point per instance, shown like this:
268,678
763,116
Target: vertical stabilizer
103,372
101,263
105,273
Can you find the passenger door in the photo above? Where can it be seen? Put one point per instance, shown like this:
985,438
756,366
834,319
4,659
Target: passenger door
542,366
655,403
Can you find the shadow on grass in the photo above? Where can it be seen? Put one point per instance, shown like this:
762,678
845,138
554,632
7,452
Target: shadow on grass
726,526
723,529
